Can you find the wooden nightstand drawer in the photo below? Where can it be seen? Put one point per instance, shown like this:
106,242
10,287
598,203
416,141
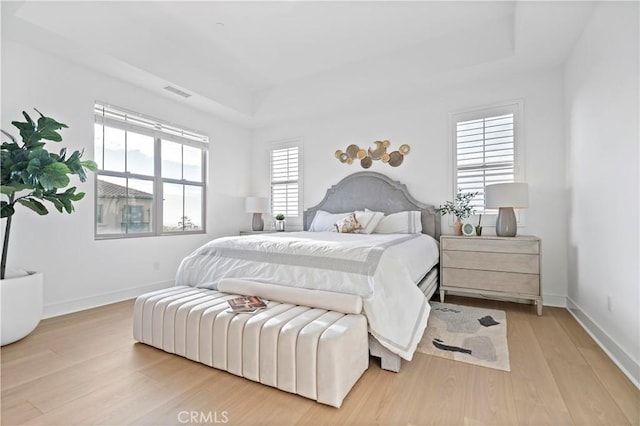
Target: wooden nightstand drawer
503,262
524,284
502,245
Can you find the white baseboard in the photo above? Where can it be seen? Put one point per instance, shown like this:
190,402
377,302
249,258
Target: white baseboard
62,308
628,365
554,300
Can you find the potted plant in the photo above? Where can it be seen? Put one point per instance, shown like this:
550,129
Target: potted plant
280,222
460,208
30,176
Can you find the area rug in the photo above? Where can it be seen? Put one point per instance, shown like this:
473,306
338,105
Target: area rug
462,333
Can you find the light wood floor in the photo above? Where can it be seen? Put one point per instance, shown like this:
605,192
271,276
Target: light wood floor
85,368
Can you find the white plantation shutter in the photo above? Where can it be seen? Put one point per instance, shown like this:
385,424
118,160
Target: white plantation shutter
485,153
285,185
124,119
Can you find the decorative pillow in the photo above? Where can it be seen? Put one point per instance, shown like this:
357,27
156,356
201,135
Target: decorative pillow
407,222
368,221
324,221
348,224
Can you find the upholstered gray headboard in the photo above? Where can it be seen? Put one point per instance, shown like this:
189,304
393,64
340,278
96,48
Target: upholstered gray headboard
376,192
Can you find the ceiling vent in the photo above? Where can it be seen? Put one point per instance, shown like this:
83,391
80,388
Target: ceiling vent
177,92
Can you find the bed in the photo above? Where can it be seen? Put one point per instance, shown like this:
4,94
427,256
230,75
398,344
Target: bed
394,273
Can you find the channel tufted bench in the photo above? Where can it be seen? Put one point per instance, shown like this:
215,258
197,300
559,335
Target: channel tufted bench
317,351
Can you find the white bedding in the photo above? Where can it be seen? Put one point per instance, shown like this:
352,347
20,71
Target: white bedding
382,268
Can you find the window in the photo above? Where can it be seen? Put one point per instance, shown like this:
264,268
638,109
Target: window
486,150
285,179
151,175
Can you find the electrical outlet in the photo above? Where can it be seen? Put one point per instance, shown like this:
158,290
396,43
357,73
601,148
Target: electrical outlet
609,303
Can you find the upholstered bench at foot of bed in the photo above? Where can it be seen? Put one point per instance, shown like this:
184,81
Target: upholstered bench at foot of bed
316,353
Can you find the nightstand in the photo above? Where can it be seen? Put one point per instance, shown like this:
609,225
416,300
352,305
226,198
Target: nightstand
491,267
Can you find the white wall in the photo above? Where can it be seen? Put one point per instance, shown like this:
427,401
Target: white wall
601,82
79,271
428,169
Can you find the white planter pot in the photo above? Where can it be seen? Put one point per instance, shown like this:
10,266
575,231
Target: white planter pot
21,301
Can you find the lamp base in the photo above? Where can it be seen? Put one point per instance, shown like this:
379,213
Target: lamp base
257,224
506,225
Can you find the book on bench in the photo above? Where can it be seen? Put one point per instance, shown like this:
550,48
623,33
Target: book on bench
246,304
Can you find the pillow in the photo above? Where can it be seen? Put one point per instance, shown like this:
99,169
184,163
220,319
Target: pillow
407,222
348,224
324,221
368,221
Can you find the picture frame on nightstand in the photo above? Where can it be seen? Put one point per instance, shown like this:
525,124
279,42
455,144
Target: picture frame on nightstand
468,229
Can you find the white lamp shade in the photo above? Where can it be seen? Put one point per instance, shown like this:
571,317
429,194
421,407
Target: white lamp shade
514,195
256,205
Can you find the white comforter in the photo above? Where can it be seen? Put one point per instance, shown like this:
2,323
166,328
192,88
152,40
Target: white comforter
383,269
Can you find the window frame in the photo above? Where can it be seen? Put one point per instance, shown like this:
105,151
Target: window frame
158,135
284,144
516,107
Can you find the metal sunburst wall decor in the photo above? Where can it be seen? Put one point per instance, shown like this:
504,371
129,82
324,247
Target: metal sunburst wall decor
379,152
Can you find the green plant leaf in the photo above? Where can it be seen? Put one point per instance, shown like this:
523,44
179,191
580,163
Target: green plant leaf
23,126
34,205
13,188
28,118
77,197
35,145
66,202
75,166
6,209
25,177
10,146
47,127
28,131
90,165
55,201
41,154
34,166
71,195
7,190
54,176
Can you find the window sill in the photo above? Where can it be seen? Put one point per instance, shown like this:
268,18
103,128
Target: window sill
128,236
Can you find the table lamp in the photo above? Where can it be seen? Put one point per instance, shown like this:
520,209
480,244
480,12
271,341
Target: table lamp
506,197
257,206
